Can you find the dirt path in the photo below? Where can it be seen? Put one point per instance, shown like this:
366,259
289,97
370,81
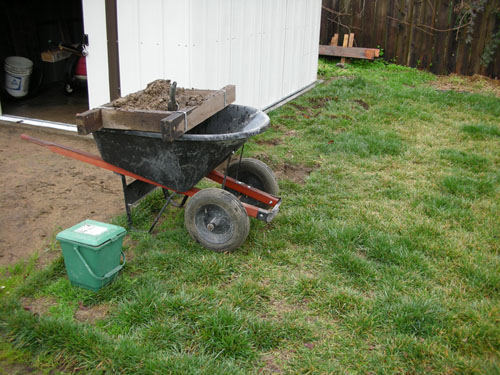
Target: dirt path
42,192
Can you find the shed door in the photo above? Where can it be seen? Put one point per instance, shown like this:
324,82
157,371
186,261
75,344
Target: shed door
94,23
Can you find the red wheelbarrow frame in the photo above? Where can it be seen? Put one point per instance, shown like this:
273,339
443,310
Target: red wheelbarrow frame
238,186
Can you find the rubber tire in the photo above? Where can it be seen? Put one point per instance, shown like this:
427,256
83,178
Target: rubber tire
255,173
236,217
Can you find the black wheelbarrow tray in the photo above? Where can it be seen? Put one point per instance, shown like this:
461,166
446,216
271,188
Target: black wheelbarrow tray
215,217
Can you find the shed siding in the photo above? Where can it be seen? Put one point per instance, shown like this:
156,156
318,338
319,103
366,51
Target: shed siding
94,23
268,49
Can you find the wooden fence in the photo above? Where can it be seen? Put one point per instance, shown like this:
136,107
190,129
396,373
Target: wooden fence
444,36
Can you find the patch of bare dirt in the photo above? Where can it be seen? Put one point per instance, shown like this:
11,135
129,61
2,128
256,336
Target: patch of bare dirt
309,345
16,369
289,117
156,97
285,170
317,103
471,84
306,112
38,306
314,107
275,361
294,172
90,314
362,103
280,307
43,192
269,142
270,366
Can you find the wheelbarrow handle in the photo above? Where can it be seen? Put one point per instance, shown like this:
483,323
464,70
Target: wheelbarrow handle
63,150
39,142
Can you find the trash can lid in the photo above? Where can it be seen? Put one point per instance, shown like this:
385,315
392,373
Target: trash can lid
92,233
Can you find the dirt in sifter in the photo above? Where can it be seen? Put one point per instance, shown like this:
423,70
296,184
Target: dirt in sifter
156,95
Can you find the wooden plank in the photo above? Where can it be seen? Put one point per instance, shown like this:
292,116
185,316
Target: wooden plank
376,52
370,54
174,125
424,46
440,55
356,20
369,24
89,121
352,52
401,31
335,40
488,22
389,44
381,12
142,120
409,40
351,40
345,43
431,44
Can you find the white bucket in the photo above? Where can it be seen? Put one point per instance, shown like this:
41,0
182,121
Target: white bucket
17,75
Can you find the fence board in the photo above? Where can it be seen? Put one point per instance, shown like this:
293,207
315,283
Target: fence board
416,32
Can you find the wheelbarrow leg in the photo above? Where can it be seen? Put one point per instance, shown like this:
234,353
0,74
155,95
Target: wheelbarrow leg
184,201
127,205
225,172
239,162
136,191
168,199
179,205
229,162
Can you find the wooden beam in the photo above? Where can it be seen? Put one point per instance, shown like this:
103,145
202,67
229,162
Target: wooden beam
352,52
335,40
346,42
370,54
142,120
176,124
376,52
351,40
89,121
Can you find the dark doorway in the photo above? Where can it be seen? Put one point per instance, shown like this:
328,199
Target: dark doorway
34,29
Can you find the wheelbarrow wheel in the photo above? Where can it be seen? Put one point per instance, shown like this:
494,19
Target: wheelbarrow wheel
255,173
217,220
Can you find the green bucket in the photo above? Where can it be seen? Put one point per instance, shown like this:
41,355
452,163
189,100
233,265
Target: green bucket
92,253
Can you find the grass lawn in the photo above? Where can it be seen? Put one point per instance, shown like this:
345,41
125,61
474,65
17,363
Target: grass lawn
383,259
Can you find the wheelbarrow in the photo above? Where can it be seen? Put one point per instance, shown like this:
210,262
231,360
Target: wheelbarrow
217,218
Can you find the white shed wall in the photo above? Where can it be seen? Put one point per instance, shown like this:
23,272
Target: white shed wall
94,23
268,49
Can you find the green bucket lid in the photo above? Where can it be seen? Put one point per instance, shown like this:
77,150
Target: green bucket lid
91,233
